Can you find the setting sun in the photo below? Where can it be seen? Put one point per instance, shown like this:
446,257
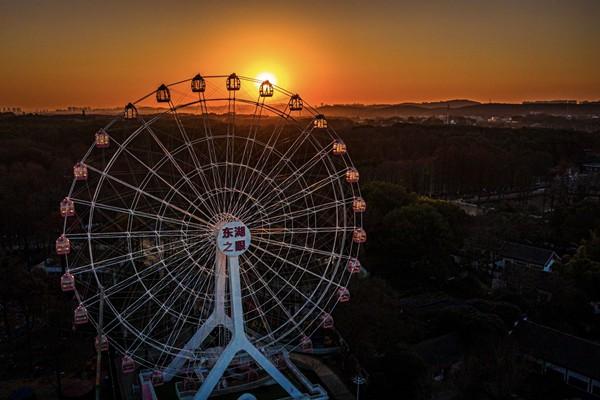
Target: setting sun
266,76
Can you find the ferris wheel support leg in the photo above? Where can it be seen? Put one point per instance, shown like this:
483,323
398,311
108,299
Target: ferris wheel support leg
217,317
179,360
240,342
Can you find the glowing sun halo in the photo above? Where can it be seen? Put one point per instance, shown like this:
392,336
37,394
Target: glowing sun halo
266,76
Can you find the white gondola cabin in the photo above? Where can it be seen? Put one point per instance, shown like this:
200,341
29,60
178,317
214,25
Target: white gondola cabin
359,235
80,315
266,89
130,112
102,139
320,122
127,364
359,205
326,321
67,282
338,148
233,82
198,84
67,207
343,295
163,95
352,175
63,245
353,266
80,172
295,103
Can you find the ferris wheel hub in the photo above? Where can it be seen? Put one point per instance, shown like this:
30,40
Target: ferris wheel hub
233,238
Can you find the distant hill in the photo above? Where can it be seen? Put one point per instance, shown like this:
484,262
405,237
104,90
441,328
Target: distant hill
456,108
445,104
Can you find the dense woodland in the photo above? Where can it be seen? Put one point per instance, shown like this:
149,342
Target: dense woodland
407,170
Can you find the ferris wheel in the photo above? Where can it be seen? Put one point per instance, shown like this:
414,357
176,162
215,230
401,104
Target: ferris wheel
215,219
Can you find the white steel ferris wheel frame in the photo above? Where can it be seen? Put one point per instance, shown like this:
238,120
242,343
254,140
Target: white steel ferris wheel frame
198,220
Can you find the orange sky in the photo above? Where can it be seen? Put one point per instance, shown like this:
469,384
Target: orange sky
56,53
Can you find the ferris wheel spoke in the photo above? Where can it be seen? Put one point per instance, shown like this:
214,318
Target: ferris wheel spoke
135,234
273,295
178,168
248,142
152,171
103,264
283,279
125,283
153,292
291,151
256,303
212,154
295,265
158,316
310,211
268,147
182,319
305,192
149,195
300,230
136,213
192,153
303,170
298,247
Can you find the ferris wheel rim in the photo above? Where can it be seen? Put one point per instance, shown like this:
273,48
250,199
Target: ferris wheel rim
316,305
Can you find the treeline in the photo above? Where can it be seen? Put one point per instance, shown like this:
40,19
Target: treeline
38,152
454,160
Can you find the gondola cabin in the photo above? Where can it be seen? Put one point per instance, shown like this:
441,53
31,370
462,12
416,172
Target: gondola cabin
130,112
101,343
233,82
102,139
163,95
157,378
359,235
306,344
198,84
359,205
295,103
80,315
67,282
63,245
80,172
343,295
127,365
67,207
320,122
265,89
353,266
352,175
339,148
326,321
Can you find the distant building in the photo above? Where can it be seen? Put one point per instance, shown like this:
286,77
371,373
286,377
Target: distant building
564,357
49,266
524,268
525,256
444,355
592,167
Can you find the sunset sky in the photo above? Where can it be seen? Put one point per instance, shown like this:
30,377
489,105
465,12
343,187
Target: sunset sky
60,53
